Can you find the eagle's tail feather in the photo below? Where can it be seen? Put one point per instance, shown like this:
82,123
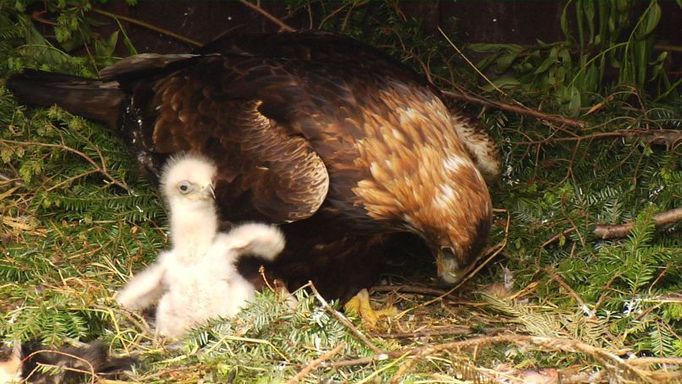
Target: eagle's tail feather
94,99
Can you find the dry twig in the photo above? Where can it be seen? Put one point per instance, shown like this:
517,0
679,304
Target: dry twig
655,136
518,108
608,359
283,26
448,331
343,319
315,363
557,236
38,16
417,290
607,231
522,110
472,65
148,26
581,303
91,370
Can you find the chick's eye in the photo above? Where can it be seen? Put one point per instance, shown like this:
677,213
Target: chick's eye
184,187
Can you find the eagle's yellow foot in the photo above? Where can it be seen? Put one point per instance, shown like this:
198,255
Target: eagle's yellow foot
360,305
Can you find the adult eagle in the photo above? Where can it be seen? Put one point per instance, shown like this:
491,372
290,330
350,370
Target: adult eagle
337,142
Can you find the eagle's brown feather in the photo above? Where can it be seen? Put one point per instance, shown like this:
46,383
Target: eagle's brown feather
319,131
286,179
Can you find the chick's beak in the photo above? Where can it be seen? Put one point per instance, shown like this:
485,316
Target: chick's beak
208,192
449,270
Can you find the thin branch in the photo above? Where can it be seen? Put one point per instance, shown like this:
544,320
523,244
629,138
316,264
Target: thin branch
71,179
38,16
471,64
668,47
410,289
343,320
616,231
654,136
282,25
100,168
557,236
315,363
358,361
656,360
605,357
605,292
518,108
554,276
91,369
150,27
449,331
331,14
522,110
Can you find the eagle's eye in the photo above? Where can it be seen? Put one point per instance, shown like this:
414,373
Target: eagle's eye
185,187
448,252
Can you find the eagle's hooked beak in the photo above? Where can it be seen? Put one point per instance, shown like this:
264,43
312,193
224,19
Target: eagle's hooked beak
449,270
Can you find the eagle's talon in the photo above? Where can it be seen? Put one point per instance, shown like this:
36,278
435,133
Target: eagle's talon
360,305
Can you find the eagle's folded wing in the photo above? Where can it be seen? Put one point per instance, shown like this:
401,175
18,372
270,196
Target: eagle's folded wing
263,164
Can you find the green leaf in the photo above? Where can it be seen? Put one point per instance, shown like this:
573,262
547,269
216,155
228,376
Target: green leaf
505,61
486,47
564,21
589,9
650,22
503,82
106,48
570,98
547,63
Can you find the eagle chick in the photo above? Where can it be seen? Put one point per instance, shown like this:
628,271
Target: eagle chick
197,279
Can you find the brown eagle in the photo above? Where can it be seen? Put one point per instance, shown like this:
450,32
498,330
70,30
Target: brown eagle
340,144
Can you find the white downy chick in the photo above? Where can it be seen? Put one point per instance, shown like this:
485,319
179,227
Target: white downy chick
212,287
197,279
187,186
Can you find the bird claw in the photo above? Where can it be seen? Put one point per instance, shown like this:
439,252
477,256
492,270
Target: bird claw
360,305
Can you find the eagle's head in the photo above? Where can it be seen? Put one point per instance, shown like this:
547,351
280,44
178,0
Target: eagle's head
444,200
422,179
453,216
457,252
187,180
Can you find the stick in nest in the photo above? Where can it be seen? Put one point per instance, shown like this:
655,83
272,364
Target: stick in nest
343,320
521,110
283,26
315,363
616,231
615,365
